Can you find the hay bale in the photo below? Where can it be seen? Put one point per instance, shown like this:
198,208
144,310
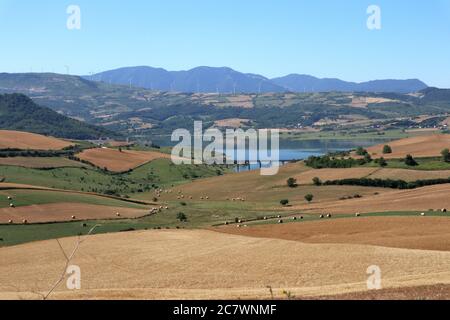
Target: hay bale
10,221
24,221
9,198
294,218
11,205
117,214
444,210
321,216
357,214
73,217
280,221
423,214
328,215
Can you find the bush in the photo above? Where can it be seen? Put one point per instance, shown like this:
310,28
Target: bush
409,161
387,149
382,162
182,217
284,202
309,197
445,155
360,151
317,181
292,183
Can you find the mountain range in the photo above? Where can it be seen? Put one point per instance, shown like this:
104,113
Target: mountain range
227,80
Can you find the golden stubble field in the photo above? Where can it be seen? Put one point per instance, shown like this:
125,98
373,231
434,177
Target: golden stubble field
201,264
119,161
24,140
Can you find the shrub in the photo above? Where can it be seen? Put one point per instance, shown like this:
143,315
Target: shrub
360,151
292,183
382,162
309,197
284,202
387,149
182,217
409,161
317,181
445,155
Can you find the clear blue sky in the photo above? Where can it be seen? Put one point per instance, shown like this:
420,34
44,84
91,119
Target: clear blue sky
325,38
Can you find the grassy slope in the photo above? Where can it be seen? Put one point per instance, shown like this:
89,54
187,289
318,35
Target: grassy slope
159,172
37,197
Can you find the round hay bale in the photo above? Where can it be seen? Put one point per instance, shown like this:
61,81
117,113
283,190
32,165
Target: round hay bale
294,218
73,217
280,221
423,214
328,215
265,218
301,217
444,210
10,221
11,205
117,214
321,216
238,225
9,198
357,214
24,221
279,216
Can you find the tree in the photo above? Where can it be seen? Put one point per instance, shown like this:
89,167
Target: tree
387,149
382,162
445,155
409,161
284,202
317,181
360,151
182,217
292,183
309,198
367,158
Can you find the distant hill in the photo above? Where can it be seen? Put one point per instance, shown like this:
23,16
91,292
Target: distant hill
19,112
306,83
201,79
226,80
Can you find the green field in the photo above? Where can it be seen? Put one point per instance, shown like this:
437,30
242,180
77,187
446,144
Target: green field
158,173
426,164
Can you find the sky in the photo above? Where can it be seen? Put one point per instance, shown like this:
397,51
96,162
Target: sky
324,38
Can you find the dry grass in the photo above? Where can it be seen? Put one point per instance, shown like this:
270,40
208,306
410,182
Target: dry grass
420,146
425,233
207,265
26,140
117,161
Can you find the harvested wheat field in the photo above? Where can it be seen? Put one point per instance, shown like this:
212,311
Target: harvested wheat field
59,212
203,264
420,199
40,162
421,146
119,161
425,233
435,292
25,140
